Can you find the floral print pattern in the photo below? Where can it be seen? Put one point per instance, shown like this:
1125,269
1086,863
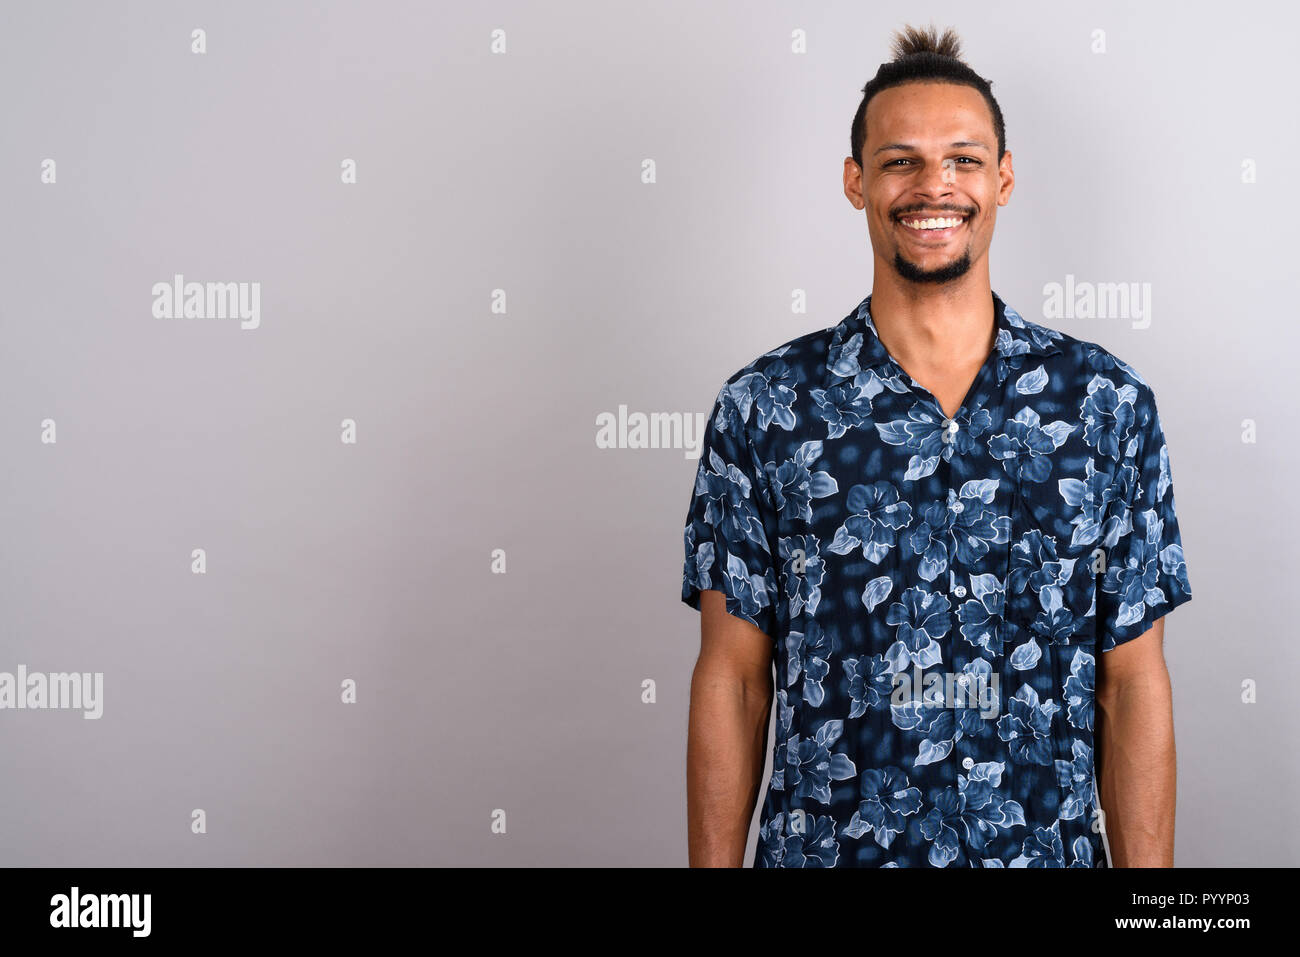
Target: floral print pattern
897,556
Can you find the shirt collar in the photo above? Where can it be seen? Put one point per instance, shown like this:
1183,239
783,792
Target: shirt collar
856,346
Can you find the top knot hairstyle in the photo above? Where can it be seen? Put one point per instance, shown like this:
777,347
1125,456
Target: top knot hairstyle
923,55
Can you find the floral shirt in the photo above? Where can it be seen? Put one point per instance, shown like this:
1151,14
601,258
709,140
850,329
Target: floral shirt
936,589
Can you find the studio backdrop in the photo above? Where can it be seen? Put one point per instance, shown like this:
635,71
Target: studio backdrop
355,365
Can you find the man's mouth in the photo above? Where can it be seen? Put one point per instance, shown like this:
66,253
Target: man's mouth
932,227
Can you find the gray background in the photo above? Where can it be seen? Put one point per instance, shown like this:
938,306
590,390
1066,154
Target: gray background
476,431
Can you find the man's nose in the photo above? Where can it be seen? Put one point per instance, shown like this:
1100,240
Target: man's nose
938,179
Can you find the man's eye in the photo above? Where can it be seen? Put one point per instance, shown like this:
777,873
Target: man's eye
963,160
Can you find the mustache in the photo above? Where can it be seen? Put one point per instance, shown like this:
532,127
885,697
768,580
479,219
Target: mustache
908,211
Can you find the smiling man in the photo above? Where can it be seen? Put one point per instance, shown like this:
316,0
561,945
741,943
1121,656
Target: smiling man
950,532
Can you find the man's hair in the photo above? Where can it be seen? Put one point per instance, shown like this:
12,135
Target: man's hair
924,56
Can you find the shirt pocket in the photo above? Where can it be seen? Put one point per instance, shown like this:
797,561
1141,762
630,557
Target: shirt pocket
1051,581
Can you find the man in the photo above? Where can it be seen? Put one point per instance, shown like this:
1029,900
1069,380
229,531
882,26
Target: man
951,531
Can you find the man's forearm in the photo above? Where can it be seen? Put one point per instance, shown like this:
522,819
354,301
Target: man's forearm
1137,772
725,750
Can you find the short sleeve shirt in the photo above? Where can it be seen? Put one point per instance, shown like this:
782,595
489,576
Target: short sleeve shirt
937,589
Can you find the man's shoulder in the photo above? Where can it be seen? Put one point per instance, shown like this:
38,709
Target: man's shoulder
800,363
1095,367
793,365
762,393
1091,358
803,357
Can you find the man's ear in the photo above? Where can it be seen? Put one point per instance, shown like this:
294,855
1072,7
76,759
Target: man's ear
1006,179
853,185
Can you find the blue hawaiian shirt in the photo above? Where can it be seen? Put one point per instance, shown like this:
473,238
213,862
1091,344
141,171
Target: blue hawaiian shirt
936,589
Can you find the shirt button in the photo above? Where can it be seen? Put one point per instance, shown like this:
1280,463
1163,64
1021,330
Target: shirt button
967,763
959,591
956,508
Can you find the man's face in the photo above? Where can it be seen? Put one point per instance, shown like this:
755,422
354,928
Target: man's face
930,152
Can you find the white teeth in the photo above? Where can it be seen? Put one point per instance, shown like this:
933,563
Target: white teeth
932,223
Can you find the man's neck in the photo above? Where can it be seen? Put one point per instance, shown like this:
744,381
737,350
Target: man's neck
934,329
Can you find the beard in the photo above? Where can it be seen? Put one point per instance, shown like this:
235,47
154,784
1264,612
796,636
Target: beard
914,273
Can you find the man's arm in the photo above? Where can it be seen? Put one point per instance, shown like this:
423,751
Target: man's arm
731,701
1136,761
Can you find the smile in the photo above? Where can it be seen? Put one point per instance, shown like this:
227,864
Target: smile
933,224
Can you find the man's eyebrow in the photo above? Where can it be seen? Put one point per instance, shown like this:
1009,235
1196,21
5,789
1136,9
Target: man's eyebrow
960,144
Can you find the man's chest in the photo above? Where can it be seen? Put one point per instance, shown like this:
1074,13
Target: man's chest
921,537
949,385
